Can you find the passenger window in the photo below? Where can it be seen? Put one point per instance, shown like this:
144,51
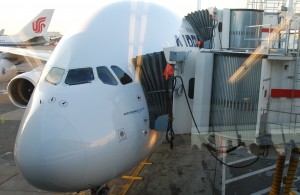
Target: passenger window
105,76
79,76
123,77
55,75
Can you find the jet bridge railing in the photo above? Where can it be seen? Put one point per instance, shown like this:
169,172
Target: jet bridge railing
270,6
254,32
269,36
255,4
296,6
280,39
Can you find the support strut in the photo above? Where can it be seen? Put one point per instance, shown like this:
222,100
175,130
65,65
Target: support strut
169,100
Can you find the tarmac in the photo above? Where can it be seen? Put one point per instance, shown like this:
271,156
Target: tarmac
186,169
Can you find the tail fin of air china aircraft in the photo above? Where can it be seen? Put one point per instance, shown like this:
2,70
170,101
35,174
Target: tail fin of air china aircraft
38,26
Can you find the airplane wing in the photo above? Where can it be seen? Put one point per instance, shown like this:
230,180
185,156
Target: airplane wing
58,38
37,54
10,58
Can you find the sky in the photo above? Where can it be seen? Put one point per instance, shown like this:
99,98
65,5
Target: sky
15,14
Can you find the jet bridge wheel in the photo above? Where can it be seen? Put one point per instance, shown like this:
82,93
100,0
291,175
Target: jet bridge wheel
102,190
170,135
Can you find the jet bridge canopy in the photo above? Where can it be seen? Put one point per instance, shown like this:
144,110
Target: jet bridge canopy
150,68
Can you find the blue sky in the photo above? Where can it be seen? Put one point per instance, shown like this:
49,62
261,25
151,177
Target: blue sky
15,13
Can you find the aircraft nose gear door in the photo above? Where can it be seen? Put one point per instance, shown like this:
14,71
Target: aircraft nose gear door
169,99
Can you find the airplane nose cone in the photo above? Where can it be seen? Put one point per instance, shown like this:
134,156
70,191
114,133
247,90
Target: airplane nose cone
49,152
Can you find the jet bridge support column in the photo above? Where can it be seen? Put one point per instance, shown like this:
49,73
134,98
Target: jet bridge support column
277,178
292,168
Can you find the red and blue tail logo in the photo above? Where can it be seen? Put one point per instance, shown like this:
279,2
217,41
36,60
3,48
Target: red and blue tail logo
38,25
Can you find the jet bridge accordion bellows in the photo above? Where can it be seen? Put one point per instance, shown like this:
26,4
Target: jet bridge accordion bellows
202,23
150,69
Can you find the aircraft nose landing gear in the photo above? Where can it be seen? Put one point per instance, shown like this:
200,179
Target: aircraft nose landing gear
102,190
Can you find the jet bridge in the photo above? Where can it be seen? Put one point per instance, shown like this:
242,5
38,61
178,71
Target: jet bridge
150,69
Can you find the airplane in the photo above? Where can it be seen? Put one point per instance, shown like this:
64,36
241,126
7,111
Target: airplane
33,33
20,87
87,120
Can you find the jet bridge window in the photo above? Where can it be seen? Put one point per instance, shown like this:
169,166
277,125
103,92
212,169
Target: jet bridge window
105,76
123,77
79,76
55,75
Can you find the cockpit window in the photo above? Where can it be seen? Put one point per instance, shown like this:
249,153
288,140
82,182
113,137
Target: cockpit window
79,76
105,76
123,77
55,75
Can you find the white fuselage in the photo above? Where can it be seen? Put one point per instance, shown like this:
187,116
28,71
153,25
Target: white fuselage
76,136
